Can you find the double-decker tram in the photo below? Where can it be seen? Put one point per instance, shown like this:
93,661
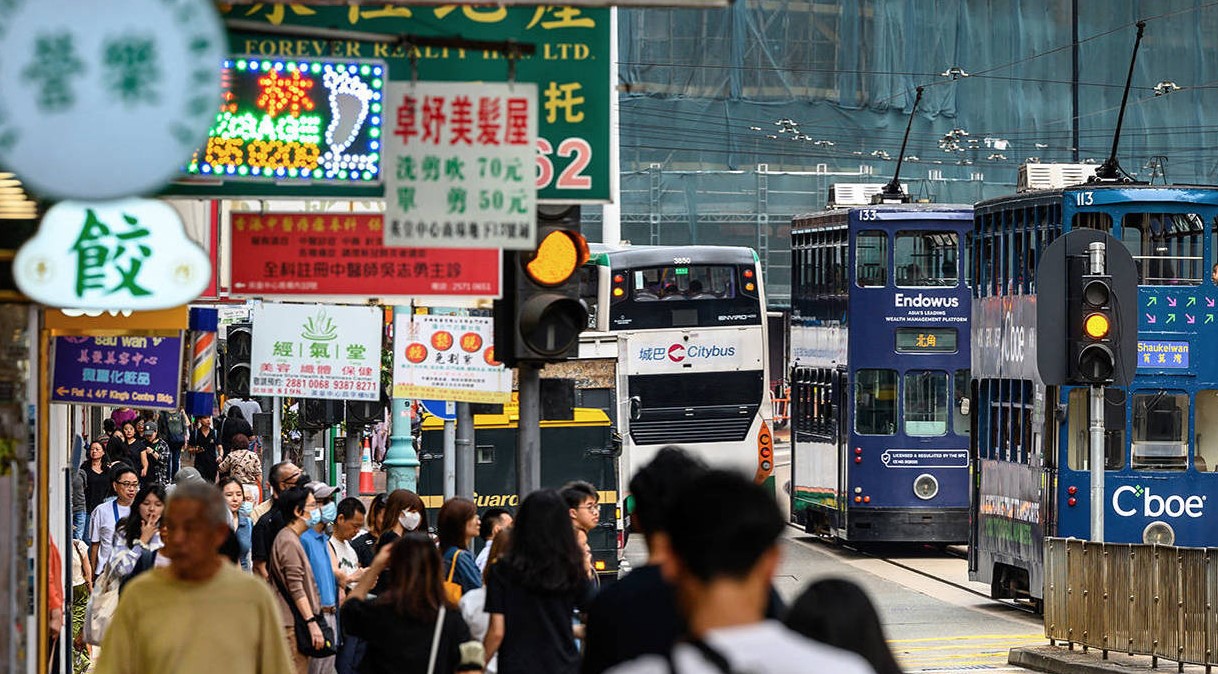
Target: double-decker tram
1031,441
689,324
879,354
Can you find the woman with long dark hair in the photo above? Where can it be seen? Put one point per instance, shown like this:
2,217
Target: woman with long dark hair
838,613
399,626
533,590
140,531
97,477
456,526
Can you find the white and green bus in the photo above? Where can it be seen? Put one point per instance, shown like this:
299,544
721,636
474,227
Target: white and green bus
687,326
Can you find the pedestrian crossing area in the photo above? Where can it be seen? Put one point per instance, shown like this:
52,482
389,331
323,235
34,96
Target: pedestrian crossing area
963,653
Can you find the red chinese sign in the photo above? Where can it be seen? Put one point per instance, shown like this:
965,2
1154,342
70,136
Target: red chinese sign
344,254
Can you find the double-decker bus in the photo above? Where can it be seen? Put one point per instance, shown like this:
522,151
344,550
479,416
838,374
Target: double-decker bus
1031,441
879,356
689,324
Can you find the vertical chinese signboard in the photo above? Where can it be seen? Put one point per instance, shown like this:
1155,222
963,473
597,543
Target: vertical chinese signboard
316,351
447,358
143,372
461,165
570,68
317,254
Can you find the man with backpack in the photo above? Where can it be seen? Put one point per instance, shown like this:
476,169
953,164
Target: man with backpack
174,427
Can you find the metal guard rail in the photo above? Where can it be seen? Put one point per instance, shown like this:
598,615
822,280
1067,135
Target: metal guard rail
1151,600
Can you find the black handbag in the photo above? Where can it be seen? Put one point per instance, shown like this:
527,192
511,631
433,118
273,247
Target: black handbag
300,627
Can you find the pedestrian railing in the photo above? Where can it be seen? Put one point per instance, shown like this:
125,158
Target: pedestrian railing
1151,600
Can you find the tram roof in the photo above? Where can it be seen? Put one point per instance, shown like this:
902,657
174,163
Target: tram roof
1207,194
652,256
882,212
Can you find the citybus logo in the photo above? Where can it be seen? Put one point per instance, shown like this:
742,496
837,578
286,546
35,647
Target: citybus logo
676,353
921,301
679,352
1154,505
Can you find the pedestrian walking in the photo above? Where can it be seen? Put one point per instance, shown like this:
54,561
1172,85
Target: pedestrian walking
200,614
838,612
103,521
409,624
242,463
318,551
284,475
174,428
584,507
140,531
154,459
80,512
364,543
457,525
404,512
115,444
724,533
133,445
292,576
97,480
239,518
492,522
534,590
473,603
349,519
202,445
233,424
82,587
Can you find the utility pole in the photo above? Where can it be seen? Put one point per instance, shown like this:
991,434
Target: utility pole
528,438
465,451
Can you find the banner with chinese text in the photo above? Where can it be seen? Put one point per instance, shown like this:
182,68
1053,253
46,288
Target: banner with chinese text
129,371
461,157
570,68
447,358
316,351
312,254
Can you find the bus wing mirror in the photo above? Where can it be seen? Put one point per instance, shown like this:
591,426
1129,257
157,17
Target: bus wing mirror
636,408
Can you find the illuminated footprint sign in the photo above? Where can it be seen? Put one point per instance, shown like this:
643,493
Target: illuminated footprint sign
297,120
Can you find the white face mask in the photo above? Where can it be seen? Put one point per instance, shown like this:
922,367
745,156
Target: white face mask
409,520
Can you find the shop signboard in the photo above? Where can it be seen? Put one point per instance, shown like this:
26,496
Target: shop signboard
447,358
316,351
127,371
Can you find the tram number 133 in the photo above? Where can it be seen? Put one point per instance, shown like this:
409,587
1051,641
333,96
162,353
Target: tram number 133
570,178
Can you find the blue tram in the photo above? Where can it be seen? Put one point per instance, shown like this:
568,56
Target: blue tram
1031,442
879,354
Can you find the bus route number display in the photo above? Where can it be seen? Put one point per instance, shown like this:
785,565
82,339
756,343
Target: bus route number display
315,120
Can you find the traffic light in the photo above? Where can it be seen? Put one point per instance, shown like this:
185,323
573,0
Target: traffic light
541,315
237,349
1092,322
316,415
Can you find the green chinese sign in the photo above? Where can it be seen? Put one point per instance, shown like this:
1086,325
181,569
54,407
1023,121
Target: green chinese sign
570,68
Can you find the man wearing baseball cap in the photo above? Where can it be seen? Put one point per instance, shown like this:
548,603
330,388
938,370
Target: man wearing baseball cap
314,542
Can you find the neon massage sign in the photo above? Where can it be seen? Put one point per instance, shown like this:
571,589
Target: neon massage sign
315,120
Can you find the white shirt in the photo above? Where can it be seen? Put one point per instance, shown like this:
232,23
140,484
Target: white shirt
345,555
483,555
473,609
101,530
761,648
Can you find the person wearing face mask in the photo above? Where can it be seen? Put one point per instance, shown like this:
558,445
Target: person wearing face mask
404,512
292,575
239,517
318,552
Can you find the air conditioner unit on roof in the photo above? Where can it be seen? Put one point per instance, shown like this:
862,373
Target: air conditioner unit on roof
1053,176
845,195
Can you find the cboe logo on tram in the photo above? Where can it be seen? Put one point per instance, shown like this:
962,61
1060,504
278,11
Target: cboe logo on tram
1127,499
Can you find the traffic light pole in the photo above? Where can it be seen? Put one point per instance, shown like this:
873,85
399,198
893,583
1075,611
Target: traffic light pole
528,430
1095,261
465,451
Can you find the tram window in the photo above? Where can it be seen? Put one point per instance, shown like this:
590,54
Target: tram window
1205,432
1100,221
871,259
1078,435
926,258
875,402
926,403
1166,247
1160,431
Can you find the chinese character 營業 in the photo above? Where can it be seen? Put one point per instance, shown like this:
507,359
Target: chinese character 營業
54,61
132,70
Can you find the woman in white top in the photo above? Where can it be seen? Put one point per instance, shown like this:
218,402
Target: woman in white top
473,603
140,530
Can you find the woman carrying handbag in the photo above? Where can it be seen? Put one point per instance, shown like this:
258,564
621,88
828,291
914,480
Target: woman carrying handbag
410,628
308,634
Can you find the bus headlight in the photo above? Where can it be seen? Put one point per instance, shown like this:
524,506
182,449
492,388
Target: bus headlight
926,487
1159,533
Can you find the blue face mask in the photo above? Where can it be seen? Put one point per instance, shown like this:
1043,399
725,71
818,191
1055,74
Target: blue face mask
329,512
245,508
314,517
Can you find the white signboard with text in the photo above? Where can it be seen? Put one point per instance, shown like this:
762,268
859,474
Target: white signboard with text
695,351
316,351
447,358
460,165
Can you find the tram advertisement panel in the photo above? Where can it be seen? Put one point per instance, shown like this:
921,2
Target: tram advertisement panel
1004,338
1009,521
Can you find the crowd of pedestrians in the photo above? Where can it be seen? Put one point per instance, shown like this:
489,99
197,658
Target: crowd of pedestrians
206,574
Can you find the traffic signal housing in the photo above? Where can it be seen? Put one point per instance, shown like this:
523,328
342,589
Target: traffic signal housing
1092,321
238,343
541,314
